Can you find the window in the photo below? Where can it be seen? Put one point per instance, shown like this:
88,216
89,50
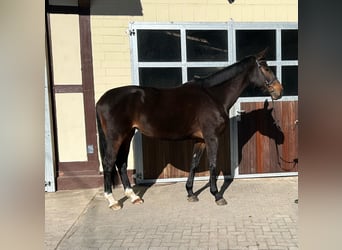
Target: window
159,45
160,77
250,41
166,55
206,45
289,44
290,80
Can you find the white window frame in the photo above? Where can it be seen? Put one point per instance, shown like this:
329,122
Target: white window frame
231,27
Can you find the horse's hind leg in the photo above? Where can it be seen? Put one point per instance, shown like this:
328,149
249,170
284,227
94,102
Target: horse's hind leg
121,163
109,172
196,157
109,145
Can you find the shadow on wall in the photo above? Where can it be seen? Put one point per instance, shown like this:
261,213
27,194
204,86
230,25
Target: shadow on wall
116,7
262,121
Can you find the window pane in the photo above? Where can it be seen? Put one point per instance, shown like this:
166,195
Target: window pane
289,44
159,45
207,45
252,91
250,42
290,80
201,72
160,77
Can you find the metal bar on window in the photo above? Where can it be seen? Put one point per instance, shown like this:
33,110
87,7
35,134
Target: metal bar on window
231,26
183,55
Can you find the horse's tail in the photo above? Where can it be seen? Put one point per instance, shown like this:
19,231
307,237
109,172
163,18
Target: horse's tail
101,136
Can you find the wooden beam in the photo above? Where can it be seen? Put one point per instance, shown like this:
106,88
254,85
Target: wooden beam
84,7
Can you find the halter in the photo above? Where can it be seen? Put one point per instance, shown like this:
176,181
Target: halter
267,83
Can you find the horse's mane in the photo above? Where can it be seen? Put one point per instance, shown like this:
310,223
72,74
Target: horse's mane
226,73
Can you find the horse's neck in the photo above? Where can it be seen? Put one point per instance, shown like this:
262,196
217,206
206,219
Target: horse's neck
229,90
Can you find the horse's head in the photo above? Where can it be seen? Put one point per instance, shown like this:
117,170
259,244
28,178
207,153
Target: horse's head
264,78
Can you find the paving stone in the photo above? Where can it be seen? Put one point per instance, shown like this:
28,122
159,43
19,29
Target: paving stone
259,215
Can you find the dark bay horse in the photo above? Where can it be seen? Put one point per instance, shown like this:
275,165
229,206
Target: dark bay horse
198,109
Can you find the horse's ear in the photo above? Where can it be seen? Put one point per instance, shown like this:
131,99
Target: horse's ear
262,54
266,104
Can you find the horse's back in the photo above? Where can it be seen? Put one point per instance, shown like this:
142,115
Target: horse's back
155,112
115,95
148,96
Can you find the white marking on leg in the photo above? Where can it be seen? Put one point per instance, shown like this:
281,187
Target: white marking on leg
112,202
130,194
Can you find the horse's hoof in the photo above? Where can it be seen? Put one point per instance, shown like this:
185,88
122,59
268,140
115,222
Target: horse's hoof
193,198
138,201
221,202
115,207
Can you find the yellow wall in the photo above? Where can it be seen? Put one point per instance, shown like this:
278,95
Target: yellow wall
71,127
111,52
65,46
110,42
65,41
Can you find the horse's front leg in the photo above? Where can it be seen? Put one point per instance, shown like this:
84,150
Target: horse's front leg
196,157
212,149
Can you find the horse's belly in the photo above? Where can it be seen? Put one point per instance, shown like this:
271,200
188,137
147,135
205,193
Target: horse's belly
171,127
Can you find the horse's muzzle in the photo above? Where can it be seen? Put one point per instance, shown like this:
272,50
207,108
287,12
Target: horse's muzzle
275,90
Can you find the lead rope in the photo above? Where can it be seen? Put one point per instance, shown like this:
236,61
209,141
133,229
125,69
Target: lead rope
294,161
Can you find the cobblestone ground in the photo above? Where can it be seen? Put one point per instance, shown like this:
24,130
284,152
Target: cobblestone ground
261,214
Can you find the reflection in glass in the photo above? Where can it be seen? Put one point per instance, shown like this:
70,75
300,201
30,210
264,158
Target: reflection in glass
207,45
159,45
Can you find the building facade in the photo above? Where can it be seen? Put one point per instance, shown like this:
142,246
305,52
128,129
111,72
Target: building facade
94,46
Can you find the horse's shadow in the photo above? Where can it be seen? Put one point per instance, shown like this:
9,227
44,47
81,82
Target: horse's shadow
141,189
259,120
250,122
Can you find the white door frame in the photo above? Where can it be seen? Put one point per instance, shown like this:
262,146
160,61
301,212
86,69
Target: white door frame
50,170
